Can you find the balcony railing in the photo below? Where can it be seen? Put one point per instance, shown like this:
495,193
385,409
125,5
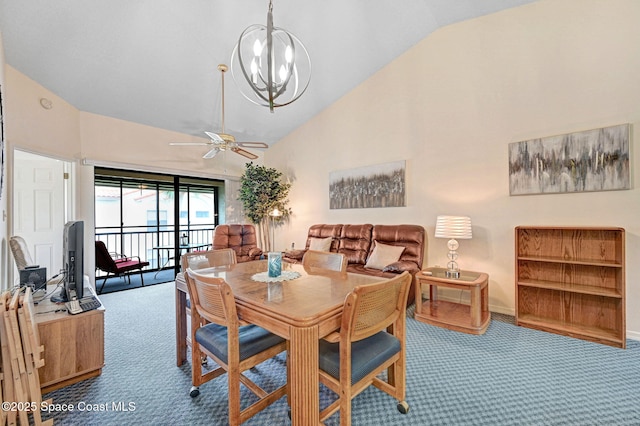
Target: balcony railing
151,246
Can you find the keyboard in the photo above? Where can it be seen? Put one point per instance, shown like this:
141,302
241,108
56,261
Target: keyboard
87,303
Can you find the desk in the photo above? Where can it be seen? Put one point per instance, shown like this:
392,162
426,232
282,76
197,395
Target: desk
301,310
183,247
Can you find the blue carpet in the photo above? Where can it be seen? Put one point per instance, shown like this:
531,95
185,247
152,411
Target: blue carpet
121,283
508,376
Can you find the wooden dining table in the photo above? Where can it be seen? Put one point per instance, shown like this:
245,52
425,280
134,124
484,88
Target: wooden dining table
301,310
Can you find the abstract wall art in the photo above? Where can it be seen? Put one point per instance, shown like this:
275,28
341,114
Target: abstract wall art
591,160
381,185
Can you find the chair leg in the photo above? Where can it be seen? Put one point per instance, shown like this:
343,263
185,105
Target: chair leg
141,277
103,283
234,398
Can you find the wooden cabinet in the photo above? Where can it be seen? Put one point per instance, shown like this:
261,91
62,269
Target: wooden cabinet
571,281
73,345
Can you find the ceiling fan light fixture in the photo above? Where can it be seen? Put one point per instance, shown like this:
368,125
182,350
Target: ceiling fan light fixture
270,66
223,141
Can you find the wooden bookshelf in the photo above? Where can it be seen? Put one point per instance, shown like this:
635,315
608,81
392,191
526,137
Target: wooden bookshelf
571,281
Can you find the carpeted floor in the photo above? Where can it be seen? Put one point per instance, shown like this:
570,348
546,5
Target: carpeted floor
121,283
508,376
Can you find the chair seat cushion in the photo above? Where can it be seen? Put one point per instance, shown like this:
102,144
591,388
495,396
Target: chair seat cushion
366,355
253,340
129,265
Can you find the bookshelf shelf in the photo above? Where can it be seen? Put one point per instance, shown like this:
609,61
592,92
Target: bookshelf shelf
571,281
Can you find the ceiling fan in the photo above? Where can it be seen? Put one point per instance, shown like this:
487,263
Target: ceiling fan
220,142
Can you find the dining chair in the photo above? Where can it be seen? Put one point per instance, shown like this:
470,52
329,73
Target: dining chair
233,344
371,340
208,259
205,259
324,260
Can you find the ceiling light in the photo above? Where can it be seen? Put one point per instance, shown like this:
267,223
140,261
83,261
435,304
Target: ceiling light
270,65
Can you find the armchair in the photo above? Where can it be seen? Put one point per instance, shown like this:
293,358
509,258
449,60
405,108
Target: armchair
241,238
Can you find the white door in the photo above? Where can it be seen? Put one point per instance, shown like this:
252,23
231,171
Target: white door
38,209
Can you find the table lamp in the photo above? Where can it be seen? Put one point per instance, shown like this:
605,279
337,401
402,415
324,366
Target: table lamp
453,227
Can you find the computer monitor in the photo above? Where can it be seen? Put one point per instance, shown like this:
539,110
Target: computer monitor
73,260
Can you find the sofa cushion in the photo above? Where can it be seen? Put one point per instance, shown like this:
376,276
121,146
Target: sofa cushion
383,255
324,231
411,237
355,243
320,244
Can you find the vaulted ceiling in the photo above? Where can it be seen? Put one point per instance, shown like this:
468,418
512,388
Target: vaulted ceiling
154,62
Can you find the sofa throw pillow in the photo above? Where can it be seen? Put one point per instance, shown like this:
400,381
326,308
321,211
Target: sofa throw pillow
320,244
383,255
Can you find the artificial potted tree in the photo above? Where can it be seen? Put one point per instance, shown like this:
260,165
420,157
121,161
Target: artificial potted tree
263,190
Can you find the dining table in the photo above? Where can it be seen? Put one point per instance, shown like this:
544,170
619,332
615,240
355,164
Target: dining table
182,248
302,310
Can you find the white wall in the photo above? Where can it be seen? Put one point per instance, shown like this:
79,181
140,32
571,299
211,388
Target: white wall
451,105
66,133
4,245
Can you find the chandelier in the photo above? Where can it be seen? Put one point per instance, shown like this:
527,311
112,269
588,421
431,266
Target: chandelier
270,65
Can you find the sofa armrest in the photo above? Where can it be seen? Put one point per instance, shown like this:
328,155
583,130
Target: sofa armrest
255,253
294,254
401,266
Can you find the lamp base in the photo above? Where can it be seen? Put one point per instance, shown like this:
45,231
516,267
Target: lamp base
452,274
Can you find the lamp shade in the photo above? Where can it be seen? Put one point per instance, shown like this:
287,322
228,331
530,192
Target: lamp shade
457,227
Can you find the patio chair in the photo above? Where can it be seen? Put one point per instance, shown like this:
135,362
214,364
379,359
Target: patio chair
119,265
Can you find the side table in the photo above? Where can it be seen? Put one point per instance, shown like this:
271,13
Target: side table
473,318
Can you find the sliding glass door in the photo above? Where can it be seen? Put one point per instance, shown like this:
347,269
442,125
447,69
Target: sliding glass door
137,213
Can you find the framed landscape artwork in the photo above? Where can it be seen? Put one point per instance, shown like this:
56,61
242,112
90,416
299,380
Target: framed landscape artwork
591,160
382,185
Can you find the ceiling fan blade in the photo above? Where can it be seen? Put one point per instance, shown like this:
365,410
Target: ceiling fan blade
252,144
190,143
212,153
214,137
244,153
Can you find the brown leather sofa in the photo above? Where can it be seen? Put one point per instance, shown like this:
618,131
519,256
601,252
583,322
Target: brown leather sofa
241,238
358,242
